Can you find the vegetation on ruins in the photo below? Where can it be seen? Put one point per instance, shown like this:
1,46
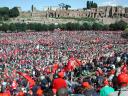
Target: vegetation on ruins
6,13
66,6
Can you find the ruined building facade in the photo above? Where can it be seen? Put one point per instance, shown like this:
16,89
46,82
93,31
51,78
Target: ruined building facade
101,13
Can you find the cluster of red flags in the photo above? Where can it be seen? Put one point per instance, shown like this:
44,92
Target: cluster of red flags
28,78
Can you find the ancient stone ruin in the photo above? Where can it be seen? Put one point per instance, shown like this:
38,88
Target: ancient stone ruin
105,14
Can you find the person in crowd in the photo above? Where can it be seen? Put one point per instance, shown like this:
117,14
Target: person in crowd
41,63
106,89
123,85
59,82
62,92
89,90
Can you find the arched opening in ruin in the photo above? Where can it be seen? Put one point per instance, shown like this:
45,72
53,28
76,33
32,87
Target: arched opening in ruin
51,14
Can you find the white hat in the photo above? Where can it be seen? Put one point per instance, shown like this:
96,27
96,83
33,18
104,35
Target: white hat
42,77
113,66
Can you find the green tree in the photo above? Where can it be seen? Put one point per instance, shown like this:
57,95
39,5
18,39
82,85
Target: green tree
69,26
126,30
51,27
84,9
121,25
31,26
6,17
113,26
94,5
88,5
77,26
125,34
67,7
18,27
62,26
14,12
91,4
38,27
5,27
97,26
4,11
62,5
105,27
0,27
87,26
12,27
23,27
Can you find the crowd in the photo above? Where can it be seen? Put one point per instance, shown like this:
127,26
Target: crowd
63,63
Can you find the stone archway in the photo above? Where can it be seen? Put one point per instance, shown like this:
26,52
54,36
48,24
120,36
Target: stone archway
51,14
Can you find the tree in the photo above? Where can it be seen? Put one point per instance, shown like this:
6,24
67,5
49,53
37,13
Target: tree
69,26
18,27
105,27
97,26
4,11
91,4
67,7
77,26
121,25
62,26
51,27
88,5
62,5
6,17
14,12
23,27
126,30
12,27
113,27
31,26
38,27
84,9
125,34
5,27
87,26
94,5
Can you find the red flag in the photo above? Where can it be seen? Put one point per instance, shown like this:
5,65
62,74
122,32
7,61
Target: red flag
30,80
78,62
124,69
54,67
73,63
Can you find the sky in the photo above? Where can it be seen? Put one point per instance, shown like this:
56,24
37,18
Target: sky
40,4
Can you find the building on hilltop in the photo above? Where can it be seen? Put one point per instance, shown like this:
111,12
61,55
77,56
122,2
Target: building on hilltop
101,13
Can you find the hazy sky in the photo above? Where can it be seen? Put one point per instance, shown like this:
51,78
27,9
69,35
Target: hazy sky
40,4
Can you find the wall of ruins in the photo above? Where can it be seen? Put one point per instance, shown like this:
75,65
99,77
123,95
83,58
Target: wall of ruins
105,14
100,12
25,14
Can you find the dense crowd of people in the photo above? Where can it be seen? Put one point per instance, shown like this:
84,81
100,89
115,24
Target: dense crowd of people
63,63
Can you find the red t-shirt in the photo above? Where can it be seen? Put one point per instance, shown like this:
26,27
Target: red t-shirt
59,83
4,94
